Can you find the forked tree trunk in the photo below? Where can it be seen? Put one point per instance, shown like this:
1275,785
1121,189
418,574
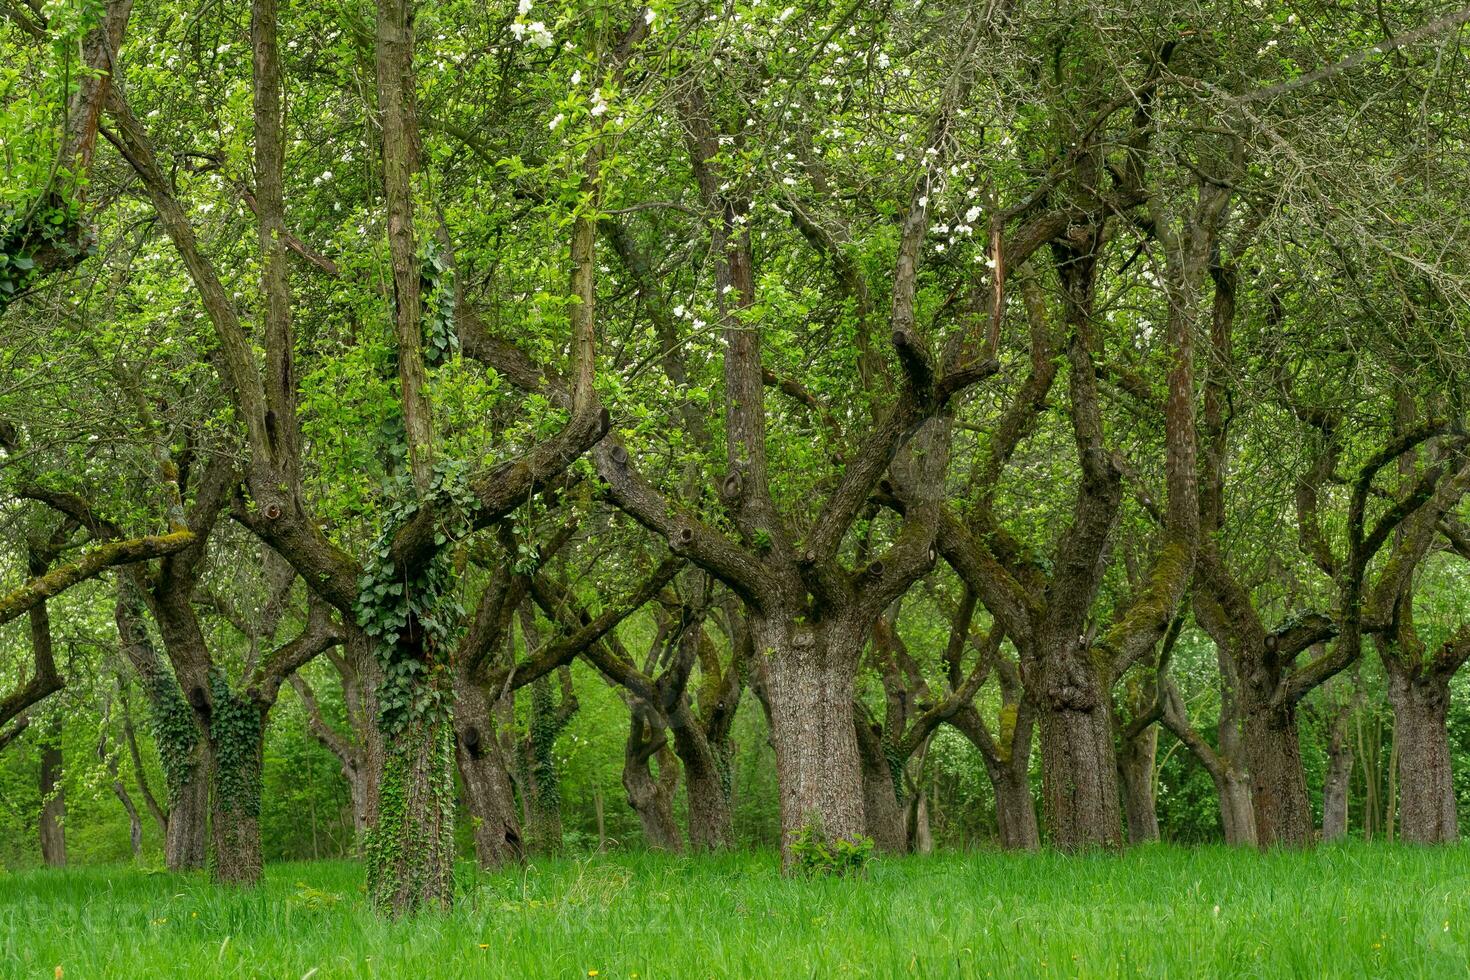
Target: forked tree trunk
1426,779
882,812
1079,774
652,795
808,685
488,797
1278,783
1136,769
53,799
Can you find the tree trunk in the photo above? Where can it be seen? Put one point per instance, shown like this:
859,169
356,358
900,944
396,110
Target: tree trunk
808,685
706,783
1079,774
1278,783
541,783
882,811
652,796
1237,811
1420,706
185,842
53,799
1015,811
916,824
1338,778
237,746
487,792
409,851
1136,770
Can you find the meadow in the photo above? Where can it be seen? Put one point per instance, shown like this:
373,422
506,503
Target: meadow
1349,910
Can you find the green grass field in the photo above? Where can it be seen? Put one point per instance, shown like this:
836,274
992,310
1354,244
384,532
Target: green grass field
1206,912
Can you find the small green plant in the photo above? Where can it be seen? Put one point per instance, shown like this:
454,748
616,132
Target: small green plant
814,852
313,899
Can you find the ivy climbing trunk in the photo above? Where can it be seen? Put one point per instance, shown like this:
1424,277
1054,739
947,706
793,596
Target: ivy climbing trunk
409,852
541,784
808,673
237,746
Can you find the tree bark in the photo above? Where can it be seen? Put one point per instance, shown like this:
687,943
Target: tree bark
916,824
1079,775
410,849
808,685
1273,753
706,783
487,791
237,748
651,796
1427,813
882,811
1338,779
186,841
1136,769
53,799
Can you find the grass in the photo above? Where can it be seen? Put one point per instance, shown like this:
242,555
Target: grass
1161,912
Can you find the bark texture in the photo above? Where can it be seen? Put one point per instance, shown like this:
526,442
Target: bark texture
1427,813
808,684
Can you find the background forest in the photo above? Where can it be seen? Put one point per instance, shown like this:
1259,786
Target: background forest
437,430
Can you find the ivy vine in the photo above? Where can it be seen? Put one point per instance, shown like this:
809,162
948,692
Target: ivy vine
50,225
235,731
412,614
436,292
174,732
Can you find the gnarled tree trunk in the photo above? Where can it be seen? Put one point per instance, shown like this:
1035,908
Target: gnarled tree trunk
651,795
